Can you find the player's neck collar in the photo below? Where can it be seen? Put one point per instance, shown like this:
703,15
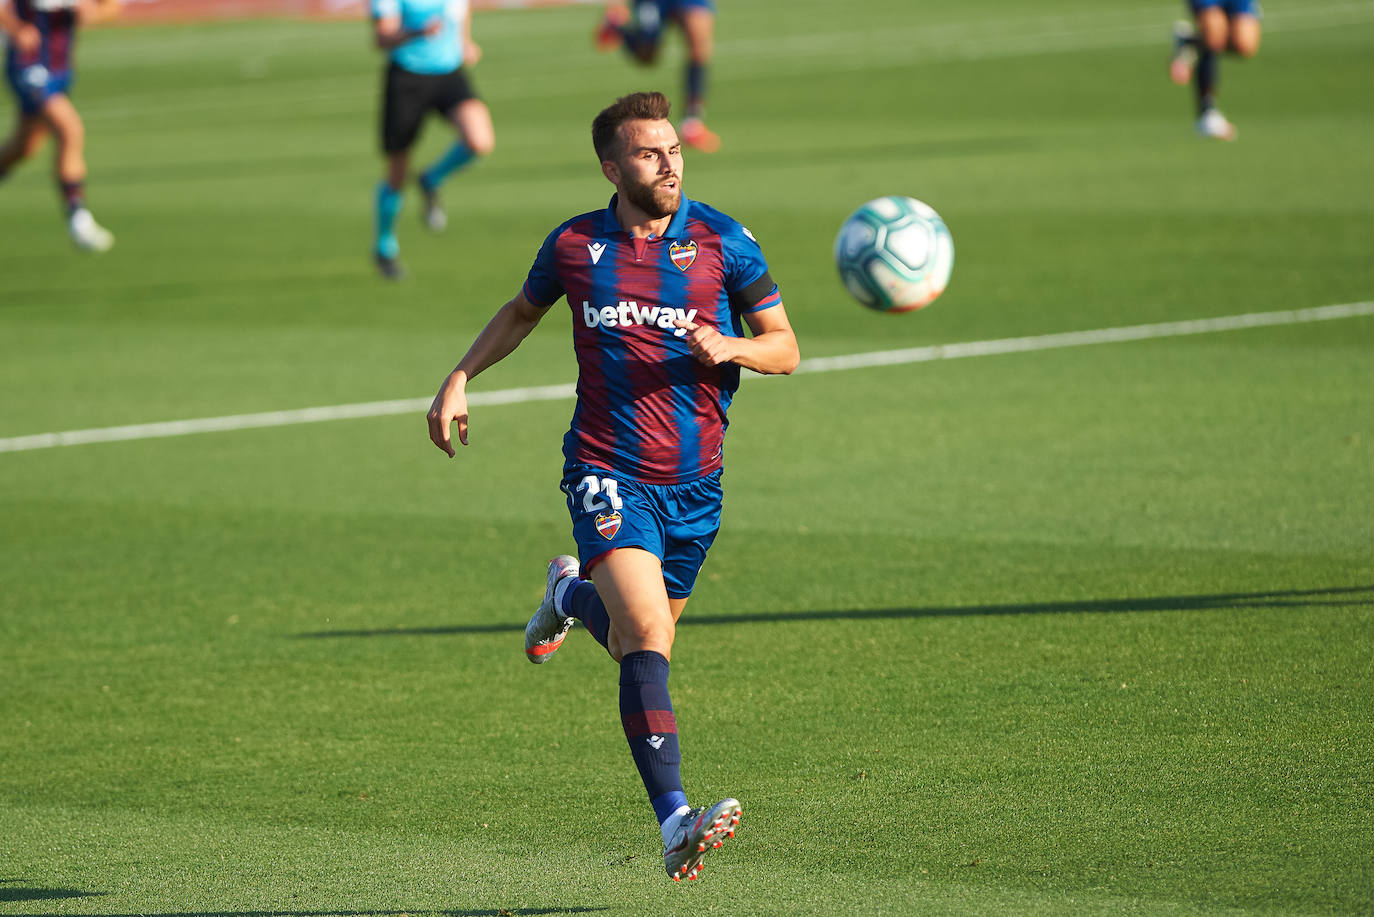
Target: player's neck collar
677,226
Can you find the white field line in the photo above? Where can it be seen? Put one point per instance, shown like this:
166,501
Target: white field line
813,365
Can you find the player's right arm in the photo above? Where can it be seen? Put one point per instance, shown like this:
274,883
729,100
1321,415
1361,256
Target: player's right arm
24,35
515,320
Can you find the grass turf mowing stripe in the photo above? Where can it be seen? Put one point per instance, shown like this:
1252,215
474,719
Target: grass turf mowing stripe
813,365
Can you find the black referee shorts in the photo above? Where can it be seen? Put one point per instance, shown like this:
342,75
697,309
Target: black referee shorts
407,97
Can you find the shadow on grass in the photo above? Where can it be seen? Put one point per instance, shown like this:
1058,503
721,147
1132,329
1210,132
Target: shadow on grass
1291,598
9,891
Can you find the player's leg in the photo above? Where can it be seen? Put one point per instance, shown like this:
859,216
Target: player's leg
698,22
639,34
63,120
1214,31
403,110
610,34
386,249
1245,34
471,120
27,139
631,607
629,582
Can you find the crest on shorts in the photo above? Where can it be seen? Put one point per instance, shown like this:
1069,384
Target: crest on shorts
683,254
607,524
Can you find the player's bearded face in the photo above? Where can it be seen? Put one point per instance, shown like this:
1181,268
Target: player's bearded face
660,197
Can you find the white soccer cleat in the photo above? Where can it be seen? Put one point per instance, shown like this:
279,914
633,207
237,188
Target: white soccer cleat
1184,57
547,628
89,235
700,830
1213,124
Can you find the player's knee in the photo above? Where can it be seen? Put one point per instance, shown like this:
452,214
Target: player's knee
482,145
640,636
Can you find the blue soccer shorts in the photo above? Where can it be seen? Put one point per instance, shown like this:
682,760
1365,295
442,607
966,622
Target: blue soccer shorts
674,522
649,15
34,84
1229,7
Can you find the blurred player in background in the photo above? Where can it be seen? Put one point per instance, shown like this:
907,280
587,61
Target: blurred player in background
429,48
641,34
1222,26
39,70
660,288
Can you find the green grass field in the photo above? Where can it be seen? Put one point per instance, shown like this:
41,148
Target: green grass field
1078,631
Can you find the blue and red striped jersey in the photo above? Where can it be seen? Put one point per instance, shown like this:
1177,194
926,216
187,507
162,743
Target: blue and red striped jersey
646,408
56,22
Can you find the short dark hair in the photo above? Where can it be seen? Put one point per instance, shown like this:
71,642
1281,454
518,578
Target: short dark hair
637,106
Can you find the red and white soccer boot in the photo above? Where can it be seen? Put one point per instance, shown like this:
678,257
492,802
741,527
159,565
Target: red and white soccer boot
608,35
699,831
697,135
547,628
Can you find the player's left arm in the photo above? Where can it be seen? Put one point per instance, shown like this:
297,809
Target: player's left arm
472,52
772,349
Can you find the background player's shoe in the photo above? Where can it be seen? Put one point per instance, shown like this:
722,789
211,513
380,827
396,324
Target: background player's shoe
432,213
1213,124
609,35
389,267
1184,58
89,235
696,134
699,831
547,628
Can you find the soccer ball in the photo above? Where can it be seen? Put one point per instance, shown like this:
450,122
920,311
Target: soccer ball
894,254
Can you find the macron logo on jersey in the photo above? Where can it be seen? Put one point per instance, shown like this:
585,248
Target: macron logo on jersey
595,249
627,313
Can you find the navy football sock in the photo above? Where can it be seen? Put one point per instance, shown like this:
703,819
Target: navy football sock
1205,80
646,713
696,89
73,195
580,600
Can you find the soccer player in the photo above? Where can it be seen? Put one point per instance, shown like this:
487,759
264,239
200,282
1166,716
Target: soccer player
660,288
641,34
429,48
38,68
1222,26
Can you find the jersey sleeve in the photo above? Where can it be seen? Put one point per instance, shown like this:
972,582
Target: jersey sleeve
747,281
543,287
385,9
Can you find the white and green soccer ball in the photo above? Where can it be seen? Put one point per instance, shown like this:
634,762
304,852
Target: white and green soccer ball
895,254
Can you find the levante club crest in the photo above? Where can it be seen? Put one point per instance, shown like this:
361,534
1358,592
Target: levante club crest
683,254
607,524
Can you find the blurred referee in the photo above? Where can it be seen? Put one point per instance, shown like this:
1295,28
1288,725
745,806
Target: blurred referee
428,45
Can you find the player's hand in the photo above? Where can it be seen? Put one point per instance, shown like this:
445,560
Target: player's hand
708,345
434,26
449,405
27,39
472,53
